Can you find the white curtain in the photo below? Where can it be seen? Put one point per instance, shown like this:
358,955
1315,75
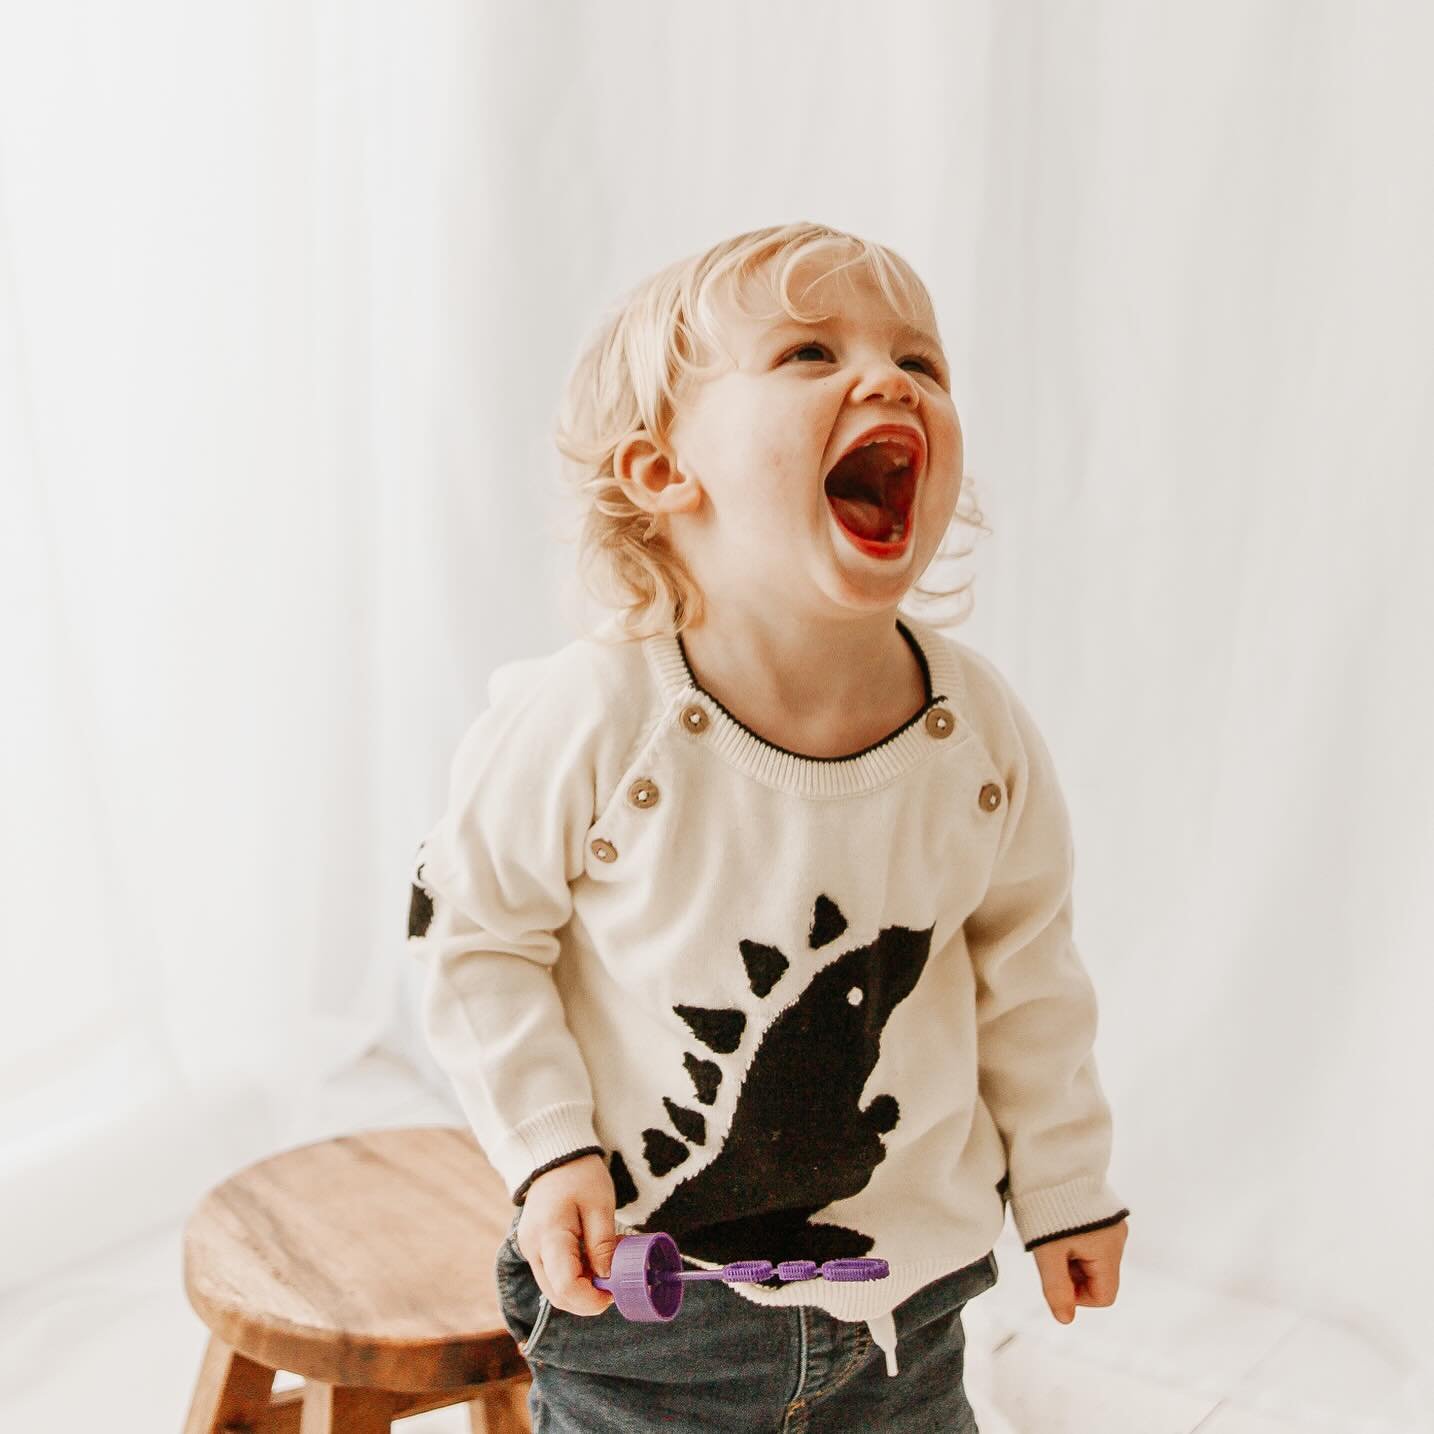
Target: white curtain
287,295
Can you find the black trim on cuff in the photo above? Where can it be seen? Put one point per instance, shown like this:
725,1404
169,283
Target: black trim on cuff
1079,1230
521,1193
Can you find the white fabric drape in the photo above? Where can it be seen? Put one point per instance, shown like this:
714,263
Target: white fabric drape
287,294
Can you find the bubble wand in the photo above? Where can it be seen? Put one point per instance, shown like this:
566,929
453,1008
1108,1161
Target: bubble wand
647,1279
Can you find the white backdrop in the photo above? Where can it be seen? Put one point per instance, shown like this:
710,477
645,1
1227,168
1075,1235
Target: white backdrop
287,295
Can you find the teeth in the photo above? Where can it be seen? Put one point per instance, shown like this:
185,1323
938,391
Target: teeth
901,463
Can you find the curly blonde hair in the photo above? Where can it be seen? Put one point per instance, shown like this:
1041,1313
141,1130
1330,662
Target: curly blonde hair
661,334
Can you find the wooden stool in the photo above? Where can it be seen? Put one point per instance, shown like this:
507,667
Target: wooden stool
364,1264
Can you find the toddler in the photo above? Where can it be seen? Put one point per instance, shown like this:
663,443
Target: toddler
749,915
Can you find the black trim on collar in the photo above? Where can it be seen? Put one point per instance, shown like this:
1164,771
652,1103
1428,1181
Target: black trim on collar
929,702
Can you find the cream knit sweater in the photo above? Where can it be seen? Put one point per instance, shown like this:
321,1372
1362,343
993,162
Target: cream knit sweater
805,1008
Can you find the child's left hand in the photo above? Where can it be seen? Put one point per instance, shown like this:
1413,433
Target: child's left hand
1081,1269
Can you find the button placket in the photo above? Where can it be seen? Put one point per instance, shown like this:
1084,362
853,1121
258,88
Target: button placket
644,794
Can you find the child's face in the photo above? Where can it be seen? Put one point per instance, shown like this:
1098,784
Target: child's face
744,494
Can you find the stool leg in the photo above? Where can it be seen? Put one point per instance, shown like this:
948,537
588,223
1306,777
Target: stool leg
231,1390
503,1409
337,1409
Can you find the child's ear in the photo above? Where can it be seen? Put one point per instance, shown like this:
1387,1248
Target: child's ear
648,477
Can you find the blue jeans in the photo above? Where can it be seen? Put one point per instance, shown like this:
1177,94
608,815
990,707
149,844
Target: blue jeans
725,1363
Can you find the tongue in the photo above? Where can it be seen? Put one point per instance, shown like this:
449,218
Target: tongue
865,519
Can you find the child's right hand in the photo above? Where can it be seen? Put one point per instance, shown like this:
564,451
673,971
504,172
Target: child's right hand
567,1233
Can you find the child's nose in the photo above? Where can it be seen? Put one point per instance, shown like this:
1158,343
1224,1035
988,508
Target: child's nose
882,379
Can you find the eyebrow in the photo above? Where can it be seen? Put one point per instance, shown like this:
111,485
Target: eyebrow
901,331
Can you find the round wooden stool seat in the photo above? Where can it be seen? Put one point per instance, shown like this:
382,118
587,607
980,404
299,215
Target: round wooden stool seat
364,1264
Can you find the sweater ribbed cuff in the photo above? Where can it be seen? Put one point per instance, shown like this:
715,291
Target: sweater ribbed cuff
542,1139
1077,1205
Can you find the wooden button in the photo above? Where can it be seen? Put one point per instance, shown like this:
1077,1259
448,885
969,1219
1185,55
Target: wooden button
644,794
604,850
939,722
694,718
990,796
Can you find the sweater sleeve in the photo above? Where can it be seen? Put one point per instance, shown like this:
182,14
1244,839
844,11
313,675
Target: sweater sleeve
1036,1008
490,894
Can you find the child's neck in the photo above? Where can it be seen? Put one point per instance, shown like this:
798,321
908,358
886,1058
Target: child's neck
822,694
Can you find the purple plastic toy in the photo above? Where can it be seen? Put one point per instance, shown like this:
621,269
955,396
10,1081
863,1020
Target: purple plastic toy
647,1277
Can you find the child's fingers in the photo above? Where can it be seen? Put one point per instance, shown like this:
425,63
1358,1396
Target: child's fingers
567,1284
1097,1282
599,1237
1059,1289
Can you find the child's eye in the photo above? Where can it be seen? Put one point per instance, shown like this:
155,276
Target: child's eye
929,364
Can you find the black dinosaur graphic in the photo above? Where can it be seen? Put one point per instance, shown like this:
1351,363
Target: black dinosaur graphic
799,1139
420,903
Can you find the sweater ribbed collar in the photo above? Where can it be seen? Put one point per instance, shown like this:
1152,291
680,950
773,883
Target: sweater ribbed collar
911,743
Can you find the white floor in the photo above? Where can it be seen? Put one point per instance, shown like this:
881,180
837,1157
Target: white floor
115,1346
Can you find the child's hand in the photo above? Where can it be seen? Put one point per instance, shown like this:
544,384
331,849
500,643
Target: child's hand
567,1233
1081,1269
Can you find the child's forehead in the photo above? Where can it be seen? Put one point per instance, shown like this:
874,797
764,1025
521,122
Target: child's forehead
753,303
811,286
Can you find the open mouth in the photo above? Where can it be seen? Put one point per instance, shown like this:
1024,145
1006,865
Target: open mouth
871,491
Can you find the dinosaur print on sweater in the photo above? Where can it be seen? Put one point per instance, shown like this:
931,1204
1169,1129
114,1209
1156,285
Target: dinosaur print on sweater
800,1138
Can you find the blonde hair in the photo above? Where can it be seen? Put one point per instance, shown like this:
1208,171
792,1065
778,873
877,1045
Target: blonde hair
660,335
